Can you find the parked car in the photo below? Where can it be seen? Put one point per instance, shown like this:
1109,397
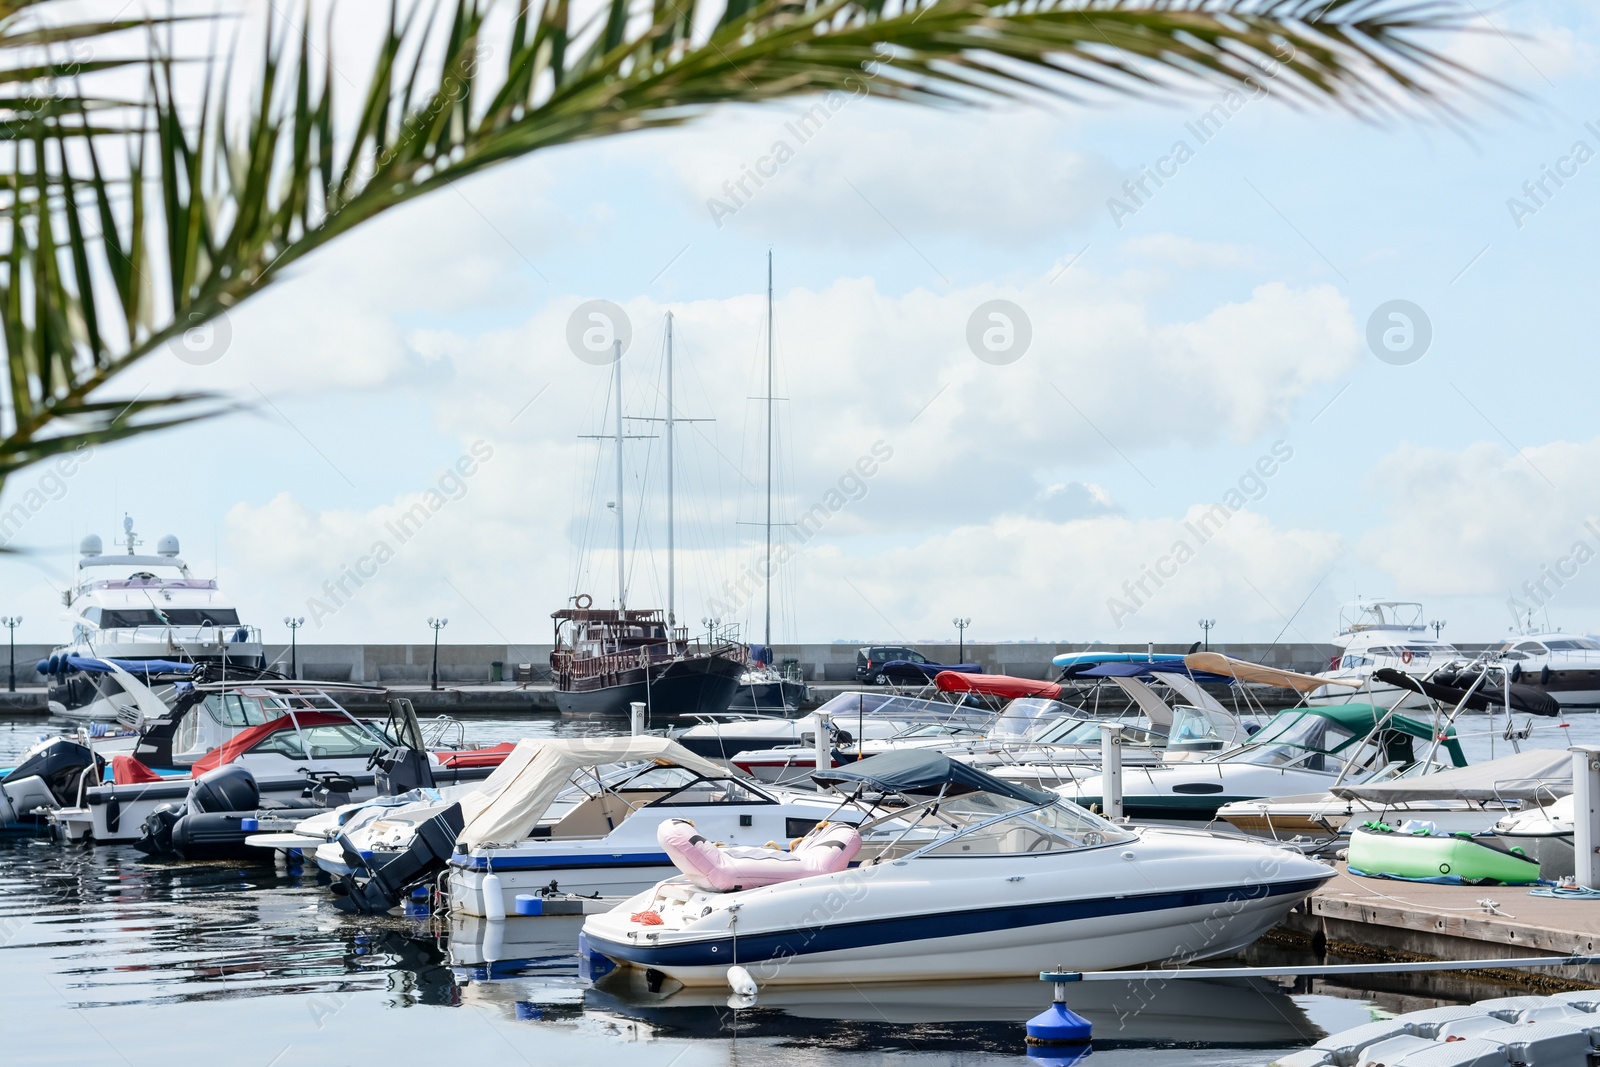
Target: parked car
898,665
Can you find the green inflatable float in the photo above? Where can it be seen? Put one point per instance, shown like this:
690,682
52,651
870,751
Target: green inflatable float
1380,851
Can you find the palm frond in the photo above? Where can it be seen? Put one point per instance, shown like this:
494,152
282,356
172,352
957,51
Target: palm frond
128,224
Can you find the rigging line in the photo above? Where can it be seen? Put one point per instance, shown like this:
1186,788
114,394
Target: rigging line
589,504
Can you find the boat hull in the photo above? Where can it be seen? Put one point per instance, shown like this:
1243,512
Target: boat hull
1095,910
701,685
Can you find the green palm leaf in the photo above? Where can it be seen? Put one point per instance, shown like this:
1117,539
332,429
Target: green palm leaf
215,199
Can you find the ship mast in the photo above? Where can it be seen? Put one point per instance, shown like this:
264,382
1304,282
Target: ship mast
767,569
616,351
671,561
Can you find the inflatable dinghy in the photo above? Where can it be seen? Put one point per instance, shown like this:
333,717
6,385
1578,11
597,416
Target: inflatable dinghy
827,849
1381,851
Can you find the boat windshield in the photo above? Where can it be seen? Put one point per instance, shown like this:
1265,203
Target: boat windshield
1306,739
1086,732
238,709
1027,715
1192,728
847,708
1572,644
984,824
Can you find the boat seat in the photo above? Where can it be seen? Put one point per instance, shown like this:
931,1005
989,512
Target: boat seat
601,814
827,849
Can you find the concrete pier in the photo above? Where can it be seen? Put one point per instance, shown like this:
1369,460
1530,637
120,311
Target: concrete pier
1355,918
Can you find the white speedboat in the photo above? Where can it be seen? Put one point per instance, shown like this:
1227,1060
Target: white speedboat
863,716
1544,834
1383,633
961,875
1567,666
1302,750
148,615
601,837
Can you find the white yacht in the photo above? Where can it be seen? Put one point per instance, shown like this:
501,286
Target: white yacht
1567,666
148,616
1382,633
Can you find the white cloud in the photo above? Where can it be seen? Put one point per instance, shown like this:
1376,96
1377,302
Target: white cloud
1188,253
1481,521
863,172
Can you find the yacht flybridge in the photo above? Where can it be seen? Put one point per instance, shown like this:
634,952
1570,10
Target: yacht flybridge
1374,634
146,616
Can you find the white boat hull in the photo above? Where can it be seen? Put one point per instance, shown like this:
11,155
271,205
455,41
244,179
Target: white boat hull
1158,898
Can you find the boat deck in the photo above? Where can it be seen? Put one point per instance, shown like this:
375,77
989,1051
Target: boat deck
1374,918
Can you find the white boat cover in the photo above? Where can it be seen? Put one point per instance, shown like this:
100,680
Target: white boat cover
1540,775
506,807
1245,671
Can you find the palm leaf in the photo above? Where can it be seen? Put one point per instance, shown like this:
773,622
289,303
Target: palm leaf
216,198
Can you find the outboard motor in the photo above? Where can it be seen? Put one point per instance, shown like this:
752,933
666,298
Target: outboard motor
209,823
406,766
373,892
47,777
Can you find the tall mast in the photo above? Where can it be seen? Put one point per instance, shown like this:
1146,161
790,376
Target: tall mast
616,350
767,570
671,576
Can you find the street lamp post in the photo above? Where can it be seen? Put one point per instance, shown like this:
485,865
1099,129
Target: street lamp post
1438,624
437,624
294,624
961,625
11,623
1206,625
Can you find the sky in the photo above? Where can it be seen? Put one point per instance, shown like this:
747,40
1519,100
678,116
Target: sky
1324,357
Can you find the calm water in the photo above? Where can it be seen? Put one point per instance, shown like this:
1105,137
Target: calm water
106,957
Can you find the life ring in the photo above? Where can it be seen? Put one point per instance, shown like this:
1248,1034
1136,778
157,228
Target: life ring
1405,655
582,601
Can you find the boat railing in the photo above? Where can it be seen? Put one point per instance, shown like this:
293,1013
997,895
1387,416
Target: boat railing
217,634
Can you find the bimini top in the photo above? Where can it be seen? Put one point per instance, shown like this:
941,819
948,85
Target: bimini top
1523,697
1539,775
1245,671
925,773
512,800
996,685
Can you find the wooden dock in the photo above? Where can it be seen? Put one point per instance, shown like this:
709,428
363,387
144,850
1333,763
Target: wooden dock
1356,918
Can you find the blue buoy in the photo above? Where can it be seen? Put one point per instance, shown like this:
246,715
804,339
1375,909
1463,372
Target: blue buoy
1058,1025
529,904
249,825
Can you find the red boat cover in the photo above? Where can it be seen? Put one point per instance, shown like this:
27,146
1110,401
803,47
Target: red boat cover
996,685
125,770
477,757
242,743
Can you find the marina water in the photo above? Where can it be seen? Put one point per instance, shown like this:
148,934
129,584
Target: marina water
107,957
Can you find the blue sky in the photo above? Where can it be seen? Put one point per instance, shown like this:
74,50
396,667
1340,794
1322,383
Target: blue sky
1169,354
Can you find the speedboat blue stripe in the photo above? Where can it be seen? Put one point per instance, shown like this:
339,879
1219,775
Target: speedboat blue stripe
539,863
801,941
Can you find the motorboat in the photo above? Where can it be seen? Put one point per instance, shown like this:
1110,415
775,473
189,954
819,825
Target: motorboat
1544,834
955,874
1566,666
856,716
1464,799
552,816
149,615
1375,634
296,738
1302,750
